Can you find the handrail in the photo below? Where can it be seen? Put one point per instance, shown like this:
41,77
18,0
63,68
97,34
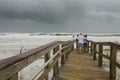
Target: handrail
14,59
112,58
10,67
43,66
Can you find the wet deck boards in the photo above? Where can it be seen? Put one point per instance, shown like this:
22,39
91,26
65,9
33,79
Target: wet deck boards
81,67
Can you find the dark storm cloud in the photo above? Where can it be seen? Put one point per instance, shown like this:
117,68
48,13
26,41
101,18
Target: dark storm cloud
60,15
50,11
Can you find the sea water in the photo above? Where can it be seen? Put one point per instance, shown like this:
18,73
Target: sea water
12,43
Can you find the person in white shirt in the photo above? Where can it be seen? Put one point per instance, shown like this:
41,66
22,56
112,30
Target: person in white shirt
80,42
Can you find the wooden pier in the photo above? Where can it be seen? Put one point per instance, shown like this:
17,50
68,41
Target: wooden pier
65,62
80,66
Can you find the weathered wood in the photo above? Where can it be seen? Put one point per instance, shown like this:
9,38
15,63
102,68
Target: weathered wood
7,73
52,64
116,45
46,58
91,49
55,67
62,59
31,59
94,54
72,45
88,47
67,53
112,58
10,67
14,77
44,74
81,67
63,56
12,60
55,70
113,53
100,55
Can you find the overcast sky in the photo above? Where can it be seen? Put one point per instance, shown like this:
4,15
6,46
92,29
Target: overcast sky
59,15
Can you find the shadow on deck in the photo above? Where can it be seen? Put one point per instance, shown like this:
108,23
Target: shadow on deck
80,66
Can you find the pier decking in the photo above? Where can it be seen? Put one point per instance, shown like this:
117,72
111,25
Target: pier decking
80,66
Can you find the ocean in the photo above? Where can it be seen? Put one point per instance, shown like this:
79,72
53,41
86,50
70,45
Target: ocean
11,43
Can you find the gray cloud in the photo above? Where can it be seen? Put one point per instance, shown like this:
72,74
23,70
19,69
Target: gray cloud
59,15
39,10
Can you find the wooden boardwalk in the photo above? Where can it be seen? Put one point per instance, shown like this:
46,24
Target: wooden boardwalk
76,67
81,67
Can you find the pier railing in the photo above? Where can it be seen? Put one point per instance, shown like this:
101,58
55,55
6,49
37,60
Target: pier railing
10,67
97,48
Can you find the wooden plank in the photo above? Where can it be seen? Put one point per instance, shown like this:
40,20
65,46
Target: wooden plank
116,45
30,59
55,67
100,55
91,49
7,73
14,77
45,72
46,58
81,67
94,54
12,70
113,54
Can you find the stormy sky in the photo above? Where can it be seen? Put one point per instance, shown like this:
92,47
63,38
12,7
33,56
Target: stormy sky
60,16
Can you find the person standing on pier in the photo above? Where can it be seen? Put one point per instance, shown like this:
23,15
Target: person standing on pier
80,42
73,38
73,41
77,47
85,42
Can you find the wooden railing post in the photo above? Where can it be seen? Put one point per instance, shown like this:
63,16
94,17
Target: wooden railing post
94,54
55,68
14,77
63,56
100,55
46,58
113,53
71,46
69,49
91,49
88,47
